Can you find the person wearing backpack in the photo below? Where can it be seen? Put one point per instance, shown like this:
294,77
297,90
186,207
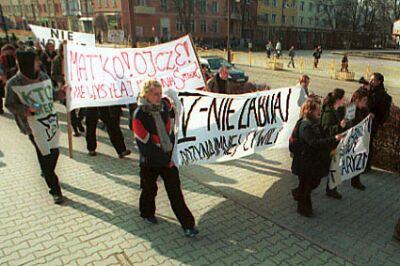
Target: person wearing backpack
332,123
379,103
313,158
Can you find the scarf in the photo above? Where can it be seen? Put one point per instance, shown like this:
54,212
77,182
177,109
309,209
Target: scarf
155,112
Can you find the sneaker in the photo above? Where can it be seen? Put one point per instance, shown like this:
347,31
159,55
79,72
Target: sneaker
151,220
334,194
92,153
359,186
124,153
58,199
192,232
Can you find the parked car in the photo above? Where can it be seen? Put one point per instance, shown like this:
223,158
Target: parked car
214,63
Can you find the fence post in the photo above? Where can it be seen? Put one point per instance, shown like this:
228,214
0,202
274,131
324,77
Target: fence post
301,65
332,72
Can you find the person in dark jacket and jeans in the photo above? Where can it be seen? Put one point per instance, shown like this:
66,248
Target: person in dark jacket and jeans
333,123
155,139
315,155
376,105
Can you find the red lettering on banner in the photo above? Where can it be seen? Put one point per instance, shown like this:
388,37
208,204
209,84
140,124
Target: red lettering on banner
82,67
168,82
74,61
135,60
125,57
131,88
91,56
186,50
103,65
99,89
150,53
169,67
116,90
156,59
181,84
121,65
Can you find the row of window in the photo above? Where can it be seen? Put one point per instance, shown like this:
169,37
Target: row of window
302,4
214,26
311,21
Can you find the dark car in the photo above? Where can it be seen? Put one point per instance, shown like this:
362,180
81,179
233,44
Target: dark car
214,63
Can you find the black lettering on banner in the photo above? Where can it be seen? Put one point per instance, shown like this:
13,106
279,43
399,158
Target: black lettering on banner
228,112
241,125
185,121
287,106
252,110
217,115
262,111
353,163
50,122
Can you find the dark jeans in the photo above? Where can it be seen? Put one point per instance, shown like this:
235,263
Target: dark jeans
111,118
147,205
76,120
306,185
47,165
291,62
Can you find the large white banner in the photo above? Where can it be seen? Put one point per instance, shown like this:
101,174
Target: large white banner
351,154
44,124
45,34
218,128
109,76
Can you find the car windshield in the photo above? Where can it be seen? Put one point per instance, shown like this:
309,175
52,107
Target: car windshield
216,63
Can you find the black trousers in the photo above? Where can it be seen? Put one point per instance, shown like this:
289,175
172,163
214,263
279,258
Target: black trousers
111,118
76,120
148,183
47,165
306,185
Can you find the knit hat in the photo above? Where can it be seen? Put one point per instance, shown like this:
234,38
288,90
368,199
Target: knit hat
26,62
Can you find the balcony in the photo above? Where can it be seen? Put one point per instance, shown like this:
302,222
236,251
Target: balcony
148,10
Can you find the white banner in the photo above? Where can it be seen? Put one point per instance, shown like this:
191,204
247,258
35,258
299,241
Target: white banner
351,154
218,128
44,124
109,76
45,34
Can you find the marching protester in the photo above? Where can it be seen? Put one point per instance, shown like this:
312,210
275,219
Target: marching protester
47,56
291,55
220,82
110,115
313,158
333,122
31,116
7,65
360,99
155,138
317,55
57,74
304,82
379,103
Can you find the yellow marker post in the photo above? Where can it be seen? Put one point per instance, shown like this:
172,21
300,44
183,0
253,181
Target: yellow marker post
274,66
301,65
368,72
332,72
225,54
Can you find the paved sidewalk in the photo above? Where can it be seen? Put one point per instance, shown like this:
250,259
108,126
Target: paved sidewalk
237,207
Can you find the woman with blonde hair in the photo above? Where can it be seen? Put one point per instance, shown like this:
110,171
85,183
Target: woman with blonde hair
155,138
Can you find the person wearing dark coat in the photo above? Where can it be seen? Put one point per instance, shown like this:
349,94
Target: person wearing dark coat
376,106
7,65
333,123
47,56
314,158
360,99
154,134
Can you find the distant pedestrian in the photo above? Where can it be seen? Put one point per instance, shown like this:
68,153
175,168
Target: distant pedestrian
270,48
47,56
317,55
155,138
220,83
278,49
314,162
36,116
292,53
345,64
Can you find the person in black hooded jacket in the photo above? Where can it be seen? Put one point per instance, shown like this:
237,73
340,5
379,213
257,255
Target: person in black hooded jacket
314,159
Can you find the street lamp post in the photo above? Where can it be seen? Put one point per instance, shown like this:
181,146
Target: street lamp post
228,42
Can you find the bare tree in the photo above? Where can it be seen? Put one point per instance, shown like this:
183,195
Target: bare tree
186,11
